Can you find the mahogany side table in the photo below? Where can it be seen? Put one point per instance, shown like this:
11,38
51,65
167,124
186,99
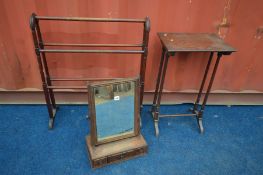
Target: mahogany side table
188,42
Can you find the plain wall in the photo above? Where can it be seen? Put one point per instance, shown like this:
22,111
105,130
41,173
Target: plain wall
242,71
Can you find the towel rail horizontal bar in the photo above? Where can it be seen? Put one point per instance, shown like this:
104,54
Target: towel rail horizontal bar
177,115
67,87
56,18
92,45
82,79
91,51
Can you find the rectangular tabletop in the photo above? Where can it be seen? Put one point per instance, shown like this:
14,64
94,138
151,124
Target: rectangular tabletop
194,42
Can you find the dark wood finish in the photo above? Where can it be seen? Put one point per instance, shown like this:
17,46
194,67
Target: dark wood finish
188,42
92,45
177,115
43,56
211,81
203,81
42,70
194,42
58,18
158,80
117,151
40,50
92,111
146,32
66,87
82,79
91,51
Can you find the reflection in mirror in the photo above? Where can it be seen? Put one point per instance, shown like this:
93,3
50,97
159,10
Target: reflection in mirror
114,106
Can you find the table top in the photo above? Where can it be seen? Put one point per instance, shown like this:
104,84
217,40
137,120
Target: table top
194,42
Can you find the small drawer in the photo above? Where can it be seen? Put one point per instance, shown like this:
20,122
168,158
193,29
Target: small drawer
114,158
99,162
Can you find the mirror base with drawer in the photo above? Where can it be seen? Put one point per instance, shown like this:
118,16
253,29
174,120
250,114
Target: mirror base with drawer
117,151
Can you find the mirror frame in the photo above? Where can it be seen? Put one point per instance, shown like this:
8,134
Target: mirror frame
92,110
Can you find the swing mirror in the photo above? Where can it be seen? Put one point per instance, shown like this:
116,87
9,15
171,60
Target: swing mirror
114,110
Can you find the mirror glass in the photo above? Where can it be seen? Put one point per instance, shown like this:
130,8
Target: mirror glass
114,106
